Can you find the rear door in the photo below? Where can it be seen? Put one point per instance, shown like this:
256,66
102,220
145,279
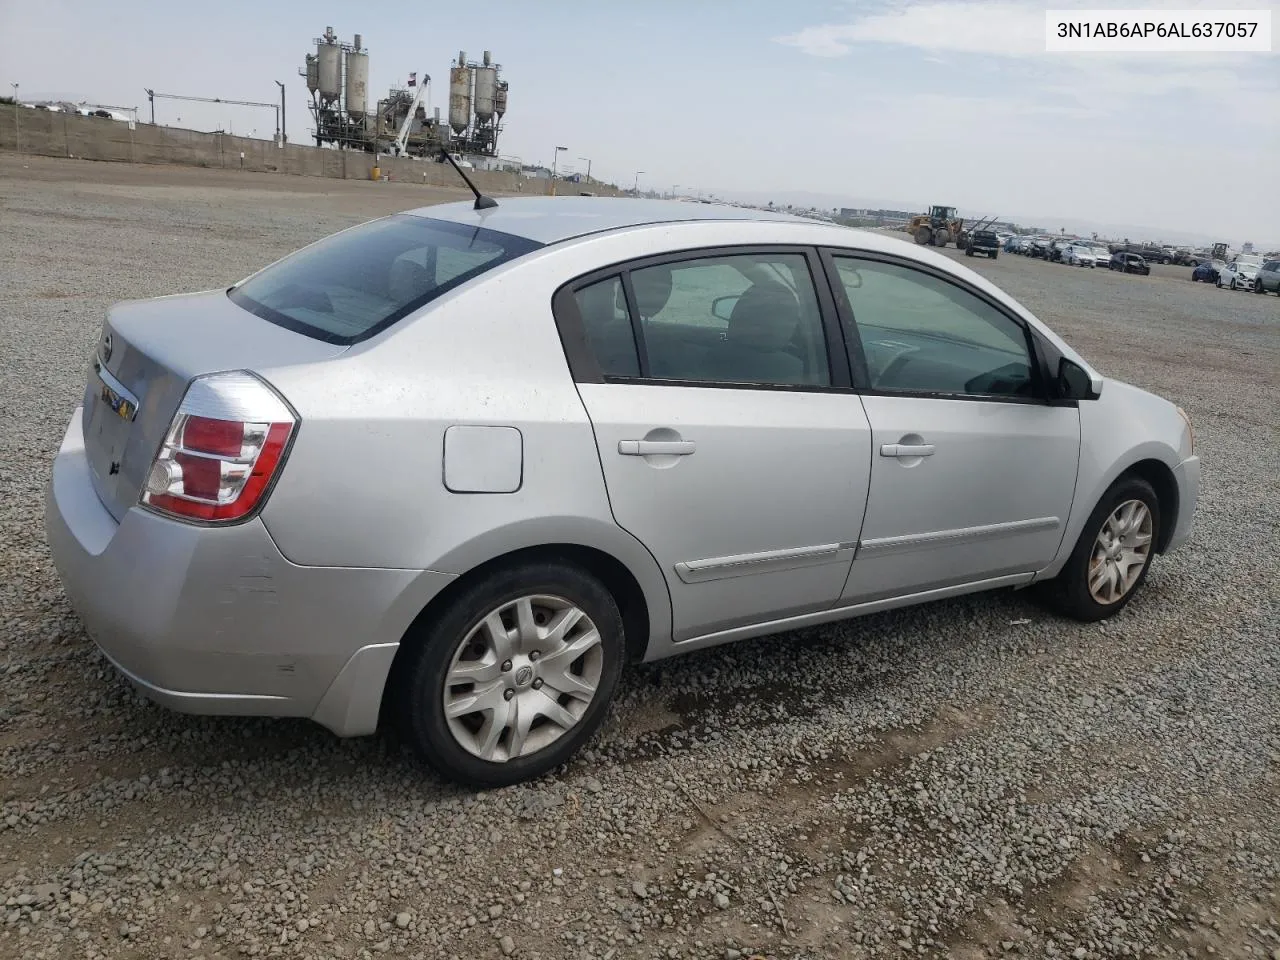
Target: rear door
972,473
732,446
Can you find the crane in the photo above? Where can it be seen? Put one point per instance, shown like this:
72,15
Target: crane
424,93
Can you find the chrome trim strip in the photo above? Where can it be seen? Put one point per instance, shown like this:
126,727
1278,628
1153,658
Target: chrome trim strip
883,546
116,387
838,613
768,561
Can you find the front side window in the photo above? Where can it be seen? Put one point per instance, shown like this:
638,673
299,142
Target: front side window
351,285
740,318
922,334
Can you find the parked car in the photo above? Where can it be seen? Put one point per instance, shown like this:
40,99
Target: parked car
1240,273
1039,248
983,242
1129,263
1207,272
1151,254
1079,255
440,467
1268,279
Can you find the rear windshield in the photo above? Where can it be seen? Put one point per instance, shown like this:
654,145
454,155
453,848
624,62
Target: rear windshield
353,284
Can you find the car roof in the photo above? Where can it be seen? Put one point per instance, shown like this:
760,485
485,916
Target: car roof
553,219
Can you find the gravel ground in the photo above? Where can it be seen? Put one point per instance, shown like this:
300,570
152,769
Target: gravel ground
972,778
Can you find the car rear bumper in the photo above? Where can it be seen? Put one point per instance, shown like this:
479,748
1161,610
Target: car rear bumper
1187,476
215,620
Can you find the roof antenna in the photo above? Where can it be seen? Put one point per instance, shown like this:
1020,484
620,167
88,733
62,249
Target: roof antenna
482,202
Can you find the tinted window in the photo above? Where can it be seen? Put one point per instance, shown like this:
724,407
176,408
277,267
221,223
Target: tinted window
920,334
607,323
746,318
350,285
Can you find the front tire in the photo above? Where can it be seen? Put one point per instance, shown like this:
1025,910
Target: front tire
1111,559
507,682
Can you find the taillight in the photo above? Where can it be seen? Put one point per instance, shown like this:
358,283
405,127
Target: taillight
225,446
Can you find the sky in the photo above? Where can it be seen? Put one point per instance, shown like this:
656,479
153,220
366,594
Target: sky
899,103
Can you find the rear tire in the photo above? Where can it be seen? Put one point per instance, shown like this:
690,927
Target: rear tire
1099,579
518,695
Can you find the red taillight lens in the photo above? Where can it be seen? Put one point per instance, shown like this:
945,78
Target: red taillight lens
223,437
225,445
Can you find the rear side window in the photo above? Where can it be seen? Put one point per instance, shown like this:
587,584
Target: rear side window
349,286
607,324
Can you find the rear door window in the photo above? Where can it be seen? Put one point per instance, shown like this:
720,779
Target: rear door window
353,284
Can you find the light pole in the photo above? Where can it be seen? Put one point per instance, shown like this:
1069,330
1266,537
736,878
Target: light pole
588,167
636,188
555,158
17,134
284,137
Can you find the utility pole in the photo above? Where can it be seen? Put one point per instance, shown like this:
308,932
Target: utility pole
151,95
636,189
284,136
17,133
555,158
588,168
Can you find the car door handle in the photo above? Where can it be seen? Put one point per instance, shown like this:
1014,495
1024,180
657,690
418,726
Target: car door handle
654,448
906,450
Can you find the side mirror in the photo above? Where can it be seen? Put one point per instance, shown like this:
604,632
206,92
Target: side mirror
1076,383
722,307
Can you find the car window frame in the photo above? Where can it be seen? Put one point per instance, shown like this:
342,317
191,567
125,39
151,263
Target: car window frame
1040,375
585,368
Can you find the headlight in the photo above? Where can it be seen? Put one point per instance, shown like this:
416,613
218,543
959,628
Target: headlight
1190,430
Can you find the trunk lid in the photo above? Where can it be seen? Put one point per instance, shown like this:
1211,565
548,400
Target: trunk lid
148,352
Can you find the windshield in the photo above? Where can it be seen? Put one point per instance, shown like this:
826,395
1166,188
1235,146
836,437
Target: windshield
349,286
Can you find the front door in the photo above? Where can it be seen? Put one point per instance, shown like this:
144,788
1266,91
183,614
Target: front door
728,448
972,476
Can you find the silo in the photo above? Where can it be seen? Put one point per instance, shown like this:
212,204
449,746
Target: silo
460,95
357,80
329,71
500,99
486,87
313,73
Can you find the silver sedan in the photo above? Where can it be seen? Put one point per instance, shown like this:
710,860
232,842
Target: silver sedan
455,468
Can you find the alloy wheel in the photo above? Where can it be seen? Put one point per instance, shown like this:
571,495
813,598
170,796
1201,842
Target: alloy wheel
522,677
1120,552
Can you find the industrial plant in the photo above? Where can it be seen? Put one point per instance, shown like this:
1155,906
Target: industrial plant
405,123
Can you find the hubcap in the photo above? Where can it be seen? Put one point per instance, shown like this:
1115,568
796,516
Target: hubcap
523,677
1120,552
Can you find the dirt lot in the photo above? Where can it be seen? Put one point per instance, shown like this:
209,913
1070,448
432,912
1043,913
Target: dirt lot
973,778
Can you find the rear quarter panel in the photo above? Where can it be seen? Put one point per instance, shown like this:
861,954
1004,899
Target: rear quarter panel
364,483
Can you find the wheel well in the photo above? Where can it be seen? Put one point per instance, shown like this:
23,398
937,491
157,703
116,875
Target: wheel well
1166,487
616,578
